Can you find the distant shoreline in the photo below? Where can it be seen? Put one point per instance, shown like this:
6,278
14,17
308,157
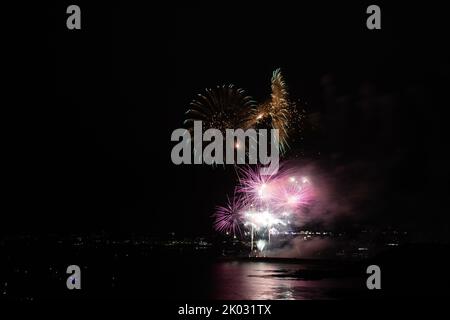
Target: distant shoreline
283,260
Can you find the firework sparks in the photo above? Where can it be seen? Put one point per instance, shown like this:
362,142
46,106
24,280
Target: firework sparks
262,204
293,193
265,205
221,108
278,112
261,244
262,219
254,185
228,107
275,111
228,217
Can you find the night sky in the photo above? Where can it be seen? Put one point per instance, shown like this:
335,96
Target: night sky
91,145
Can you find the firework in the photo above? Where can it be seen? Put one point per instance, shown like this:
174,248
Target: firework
278,112
254,185
261,244
261,219
293,192
224,107
285,190
265,205
275,111
228,217
228,107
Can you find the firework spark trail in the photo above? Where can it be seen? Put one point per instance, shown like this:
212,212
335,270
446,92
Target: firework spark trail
275,111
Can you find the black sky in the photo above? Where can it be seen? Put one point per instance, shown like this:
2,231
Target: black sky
94,152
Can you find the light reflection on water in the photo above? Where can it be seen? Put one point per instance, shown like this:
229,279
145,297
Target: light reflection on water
249,280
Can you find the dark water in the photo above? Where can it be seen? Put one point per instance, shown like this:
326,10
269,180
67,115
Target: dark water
29,272
287,281
142,274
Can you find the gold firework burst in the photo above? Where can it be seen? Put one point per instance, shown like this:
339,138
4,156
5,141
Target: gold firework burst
224,107
228,107
276,111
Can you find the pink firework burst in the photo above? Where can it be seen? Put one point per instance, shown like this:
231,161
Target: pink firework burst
288,189
293,191
228,217
256,187
264,203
